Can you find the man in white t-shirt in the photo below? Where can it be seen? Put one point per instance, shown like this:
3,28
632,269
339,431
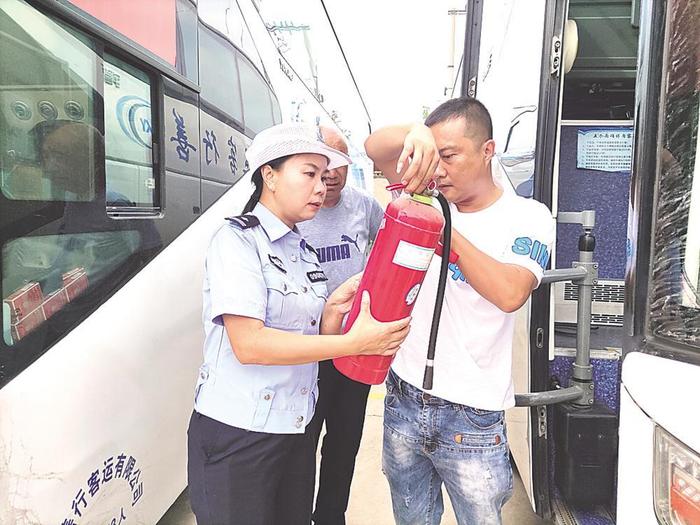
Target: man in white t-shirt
455,433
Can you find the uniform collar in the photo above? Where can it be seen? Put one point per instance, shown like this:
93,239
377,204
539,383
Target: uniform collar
273,225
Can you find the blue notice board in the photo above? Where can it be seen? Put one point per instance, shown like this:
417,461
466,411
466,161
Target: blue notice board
605,191
604,149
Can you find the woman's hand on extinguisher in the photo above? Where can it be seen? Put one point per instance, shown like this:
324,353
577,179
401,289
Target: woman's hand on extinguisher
340,301
418,146
338,304
372,337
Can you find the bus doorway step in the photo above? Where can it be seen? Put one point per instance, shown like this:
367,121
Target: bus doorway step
567,515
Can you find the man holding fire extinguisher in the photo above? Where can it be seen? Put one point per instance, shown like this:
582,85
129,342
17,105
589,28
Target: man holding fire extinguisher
455,433
341,233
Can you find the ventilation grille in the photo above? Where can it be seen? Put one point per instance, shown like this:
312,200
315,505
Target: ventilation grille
602,293
606,319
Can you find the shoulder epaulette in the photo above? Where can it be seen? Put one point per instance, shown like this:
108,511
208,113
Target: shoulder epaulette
244,222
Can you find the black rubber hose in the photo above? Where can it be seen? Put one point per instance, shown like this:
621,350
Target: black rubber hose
439,297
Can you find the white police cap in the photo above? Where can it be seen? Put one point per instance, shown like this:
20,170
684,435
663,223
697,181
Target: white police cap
291,139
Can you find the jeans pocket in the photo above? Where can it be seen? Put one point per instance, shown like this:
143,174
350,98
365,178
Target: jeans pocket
482,419
398,410
391,398
392,390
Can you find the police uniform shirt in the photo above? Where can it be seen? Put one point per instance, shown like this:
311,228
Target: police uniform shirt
257,267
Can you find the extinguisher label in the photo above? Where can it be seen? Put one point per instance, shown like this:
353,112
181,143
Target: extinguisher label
413,256
412,294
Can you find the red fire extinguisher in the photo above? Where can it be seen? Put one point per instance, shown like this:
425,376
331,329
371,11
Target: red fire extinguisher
400,257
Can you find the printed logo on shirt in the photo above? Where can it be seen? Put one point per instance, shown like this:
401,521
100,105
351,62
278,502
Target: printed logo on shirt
316,276
537,251
338,252
348,239
456,273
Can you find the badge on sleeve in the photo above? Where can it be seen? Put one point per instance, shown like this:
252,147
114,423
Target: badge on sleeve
276,262
316,276
244,222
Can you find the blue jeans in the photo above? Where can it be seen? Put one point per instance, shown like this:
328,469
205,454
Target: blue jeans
429,441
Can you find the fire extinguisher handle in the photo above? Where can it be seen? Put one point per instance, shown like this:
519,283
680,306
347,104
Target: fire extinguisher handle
453,256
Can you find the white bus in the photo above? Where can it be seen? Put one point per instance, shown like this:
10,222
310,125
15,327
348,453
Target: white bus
122,126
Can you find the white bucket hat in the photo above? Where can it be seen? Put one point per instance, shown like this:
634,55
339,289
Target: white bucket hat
291,139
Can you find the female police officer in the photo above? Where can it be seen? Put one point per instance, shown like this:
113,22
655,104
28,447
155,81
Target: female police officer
250,460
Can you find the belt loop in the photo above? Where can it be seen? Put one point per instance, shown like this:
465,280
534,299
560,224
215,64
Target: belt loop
399,383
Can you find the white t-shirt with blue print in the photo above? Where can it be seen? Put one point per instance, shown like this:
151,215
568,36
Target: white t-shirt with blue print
473,358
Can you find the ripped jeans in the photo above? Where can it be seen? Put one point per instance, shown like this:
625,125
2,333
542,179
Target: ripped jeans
429,441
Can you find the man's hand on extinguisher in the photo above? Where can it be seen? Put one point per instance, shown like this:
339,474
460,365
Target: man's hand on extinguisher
404,153
372,337
421,155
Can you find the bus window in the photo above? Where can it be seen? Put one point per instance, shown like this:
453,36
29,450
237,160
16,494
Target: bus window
674,300
256,97
42,274
226,17
47,79
186,59
218,73
61,255
128,136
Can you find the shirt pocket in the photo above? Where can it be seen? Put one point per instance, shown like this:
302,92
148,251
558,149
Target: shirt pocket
320,290
316,278
282,302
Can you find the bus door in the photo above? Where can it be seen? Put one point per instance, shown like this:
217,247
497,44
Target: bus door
517,75
659,436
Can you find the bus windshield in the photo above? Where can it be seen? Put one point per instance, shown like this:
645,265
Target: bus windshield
675,271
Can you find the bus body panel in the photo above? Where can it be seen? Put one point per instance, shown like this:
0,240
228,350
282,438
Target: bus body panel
657,391
667,391
52,430
635,496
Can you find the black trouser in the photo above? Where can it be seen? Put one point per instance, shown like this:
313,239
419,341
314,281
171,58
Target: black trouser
341,404
239,477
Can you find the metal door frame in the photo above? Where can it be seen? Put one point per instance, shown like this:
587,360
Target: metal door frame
472,44
547,136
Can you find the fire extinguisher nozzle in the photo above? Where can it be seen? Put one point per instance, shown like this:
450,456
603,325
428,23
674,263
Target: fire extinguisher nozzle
428,378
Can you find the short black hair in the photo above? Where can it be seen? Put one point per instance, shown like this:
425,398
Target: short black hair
478,120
